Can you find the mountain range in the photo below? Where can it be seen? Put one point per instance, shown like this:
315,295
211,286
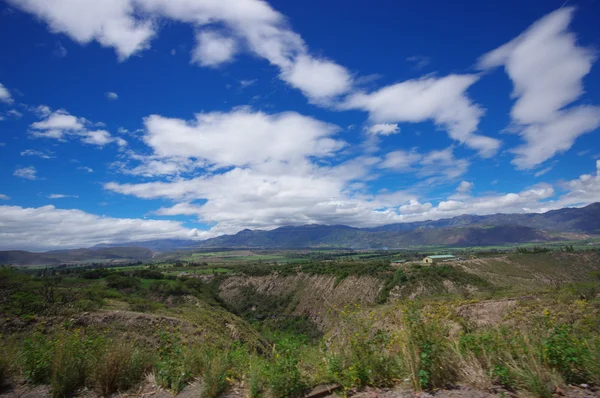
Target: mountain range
465,230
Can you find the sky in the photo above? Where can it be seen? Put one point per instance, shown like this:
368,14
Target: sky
132,120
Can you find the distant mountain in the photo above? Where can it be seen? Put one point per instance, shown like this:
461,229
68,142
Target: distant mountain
584,220
158,245
24,258
465,230
354,238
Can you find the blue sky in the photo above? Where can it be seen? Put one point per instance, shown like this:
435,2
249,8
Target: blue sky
130,120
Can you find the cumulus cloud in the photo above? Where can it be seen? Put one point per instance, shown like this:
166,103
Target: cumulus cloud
414,207
317,78
245,198
61,125
28,173
5,95
443,100
213,49
581,191
547,67
85,168
110,23
4,197
383,129
111,96
464,187
127,26
45,228
241,137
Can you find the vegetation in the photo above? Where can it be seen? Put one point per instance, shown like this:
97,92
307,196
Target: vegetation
61,328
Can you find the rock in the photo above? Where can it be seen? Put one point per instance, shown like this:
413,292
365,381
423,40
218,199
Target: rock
323,390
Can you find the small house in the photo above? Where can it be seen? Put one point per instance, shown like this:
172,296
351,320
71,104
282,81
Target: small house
438,259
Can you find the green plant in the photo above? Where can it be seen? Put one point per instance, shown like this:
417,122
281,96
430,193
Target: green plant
121,366
215,375
37,355
564,351
282,372
8,356
170,371
74,354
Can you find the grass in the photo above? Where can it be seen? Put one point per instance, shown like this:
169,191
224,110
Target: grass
189,334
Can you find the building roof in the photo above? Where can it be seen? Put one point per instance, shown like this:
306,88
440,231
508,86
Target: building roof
442,256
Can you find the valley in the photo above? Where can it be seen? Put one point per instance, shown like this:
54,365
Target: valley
279,324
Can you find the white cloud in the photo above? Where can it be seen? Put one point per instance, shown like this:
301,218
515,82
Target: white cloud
47,227
5,95
4,197
464,187
442,100
15,113
127,26
98,137
401,160
547,68
414,207
384,129
111,96
433,163
319,79
111,22
42,110
61,196
41,154
59,50
61,125
28,173
248,82
85,168
543,171
213,49
419,61
581,191
241,137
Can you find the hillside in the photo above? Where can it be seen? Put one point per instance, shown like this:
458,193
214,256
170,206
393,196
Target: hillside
322,236
464,230
19,257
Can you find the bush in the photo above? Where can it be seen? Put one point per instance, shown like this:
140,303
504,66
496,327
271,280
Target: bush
170,370
37,353
7,361
121,366
215,374
74,355
118,281
282,372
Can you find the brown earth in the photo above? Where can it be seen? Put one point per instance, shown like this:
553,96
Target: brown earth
312,295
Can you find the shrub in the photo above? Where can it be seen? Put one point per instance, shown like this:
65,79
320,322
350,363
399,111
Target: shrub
37,355
170,371
215,375
74,354
282,373
121,366
427,350
118,281
8,358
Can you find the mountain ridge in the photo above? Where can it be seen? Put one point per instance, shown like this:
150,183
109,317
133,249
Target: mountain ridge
463,230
